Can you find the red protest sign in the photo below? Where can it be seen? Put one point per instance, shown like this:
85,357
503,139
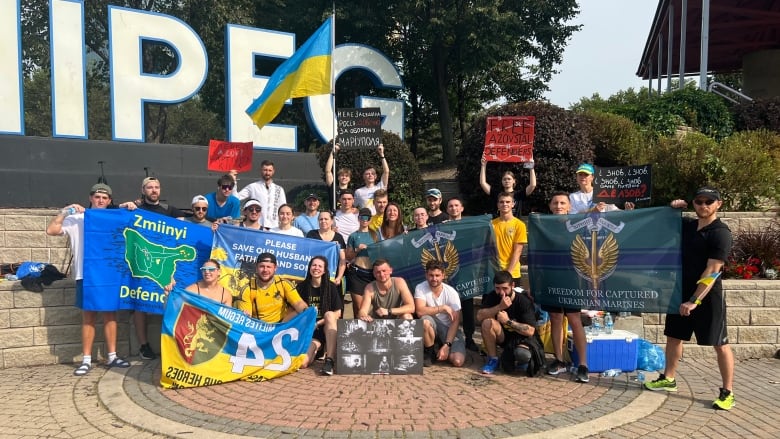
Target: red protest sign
224,156
509,139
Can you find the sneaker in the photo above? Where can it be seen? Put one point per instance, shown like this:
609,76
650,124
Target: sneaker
662,383
556,367
327,368
491,366
147,353
582,374
471,345
725,400
428,355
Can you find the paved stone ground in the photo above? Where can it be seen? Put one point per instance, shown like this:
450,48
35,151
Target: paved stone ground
443,403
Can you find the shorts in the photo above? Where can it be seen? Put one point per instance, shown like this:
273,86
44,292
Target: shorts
79,294
319,334
458,344
560,309
707,321
357,279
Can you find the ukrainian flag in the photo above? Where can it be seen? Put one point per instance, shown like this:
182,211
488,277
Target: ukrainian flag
306,73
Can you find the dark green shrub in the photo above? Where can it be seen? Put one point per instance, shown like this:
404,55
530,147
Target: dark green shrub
751,163
759,114
405,186
561,143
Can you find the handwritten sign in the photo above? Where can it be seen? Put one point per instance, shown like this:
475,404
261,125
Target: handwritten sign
359,128
620,184
224,156
509,138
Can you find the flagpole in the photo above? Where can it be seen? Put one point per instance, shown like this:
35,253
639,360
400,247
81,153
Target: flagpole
333,107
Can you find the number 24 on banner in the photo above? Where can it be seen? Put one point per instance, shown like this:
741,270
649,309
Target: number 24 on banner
247,343
224,156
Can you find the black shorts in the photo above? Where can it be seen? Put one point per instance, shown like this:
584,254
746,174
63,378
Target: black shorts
560,309
357,279
707,321
319,334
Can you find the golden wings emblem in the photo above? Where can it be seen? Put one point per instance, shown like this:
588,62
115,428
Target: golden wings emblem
597,263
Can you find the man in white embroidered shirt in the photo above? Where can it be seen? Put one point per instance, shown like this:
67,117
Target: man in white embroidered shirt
270,195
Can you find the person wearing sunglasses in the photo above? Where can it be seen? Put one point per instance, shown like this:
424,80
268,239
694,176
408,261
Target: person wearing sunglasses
200,205
252,217
224,207
706,243
208,285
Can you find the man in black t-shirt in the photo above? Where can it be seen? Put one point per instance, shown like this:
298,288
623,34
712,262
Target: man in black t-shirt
433,200
508,320
150,200
706,244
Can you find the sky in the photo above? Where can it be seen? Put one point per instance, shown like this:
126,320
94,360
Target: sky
603,56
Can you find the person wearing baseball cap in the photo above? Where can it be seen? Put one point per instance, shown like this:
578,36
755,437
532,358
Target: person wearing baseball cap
706,244
200,205
70,221
252,215
307,221
582,200
433,200
269,297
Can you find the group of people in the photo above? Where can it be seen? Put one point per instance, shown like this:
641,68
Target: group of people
366,215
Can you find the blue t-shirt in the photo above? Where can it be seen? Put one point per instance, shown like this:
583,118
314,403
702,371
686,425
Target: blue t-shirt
231,209
306,223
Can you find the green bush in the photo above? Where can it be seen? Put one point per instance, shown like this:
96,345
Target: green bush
751,163
561,143
405,186
617,141
683,164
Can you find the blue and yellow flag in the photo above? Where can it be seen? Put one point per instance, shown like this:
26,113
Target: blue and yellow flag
615,261
466,247
306,73
204,342
129,257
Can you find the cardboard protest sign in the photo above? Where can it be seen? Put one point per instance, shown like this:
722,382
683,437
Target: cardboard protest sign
509,138
617,185
224,156
359,128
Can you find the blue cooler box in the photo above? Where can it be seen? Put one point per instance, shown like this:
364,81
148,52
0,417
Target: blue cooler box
609,351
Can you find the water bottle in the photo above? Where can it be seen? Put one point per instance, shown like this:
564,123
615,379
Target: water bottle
609,324
640,377
611,373
68,211
11,276
596,329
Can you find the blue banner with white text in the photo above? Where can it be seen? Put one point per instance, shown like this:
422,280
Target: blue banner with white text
130,256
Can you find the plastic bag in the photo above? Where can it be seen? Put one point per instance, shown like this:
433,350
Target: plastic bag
649,356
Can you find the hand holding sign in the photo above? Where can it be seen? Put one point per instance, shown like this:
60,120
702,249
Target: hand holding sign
226,156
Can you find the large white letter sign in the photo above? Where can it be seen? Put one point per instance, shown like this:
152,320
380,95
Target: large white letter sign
243,86
68,67
130,86
383,74
12,120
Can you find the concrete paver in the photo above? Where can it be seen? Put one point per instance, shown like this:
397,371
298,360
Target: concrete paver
445,402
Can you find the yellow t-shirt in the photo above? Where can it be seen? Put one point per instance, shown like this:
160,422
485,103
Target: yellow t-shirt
509,233
376,221
269,304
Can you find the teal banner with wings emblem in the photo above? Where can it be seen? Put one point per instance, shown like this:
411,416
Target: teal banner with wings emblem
615,261
467,247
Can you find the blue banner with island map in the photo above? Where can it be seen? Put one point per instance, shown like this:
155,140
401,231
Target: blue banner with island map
626,260
204,342
237,249
130,256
